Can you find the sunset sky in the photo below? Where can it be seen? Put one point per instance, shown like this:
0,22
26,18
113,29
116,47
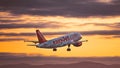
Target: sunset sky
97,20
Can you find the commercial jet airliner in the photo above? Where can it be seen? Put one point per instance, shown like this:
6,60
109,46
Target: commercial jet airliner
66,40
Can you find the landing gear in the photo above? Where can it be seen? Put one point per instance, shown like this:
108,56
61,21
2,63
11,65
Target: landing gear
54,49
68,49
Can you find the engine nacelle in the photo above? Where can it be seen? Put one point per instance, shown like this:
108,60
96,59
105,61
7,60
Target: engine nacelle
77,44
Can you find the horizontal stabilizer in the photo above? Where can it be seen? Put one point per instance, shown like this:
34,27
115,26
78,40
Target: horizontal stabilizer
31,45
31,41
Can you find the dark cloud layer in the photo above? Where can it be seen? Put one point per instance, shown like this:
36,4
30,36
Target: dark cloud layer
112,25
99,32
11,39
15,58
16,34
11,25
118,36
29,25
76,8
110,33
9,21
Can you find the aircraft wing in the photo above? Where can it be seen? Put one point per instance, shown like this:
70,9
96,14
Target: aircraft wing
80,41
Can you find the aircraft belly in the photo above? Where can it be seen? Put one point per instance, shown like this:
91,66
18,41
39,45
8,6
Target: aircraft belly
56,45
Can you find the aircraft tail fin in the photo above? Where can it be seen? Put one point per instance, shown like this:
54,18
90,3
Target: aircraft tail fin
40,37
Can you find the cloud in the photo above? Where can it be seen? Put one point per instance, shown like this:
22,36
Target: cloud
30,25
118,36
10,39
112,25
102,32
74,8
16,34
36,59
87,64
8,17
108,33
9,21
99,32
96,32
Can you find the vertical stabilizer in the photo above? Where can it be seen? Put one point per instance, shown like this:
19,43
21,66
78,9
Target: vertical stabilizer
40,37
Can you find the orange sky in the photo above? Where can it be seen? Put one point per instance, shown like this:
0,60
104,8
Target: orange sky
102,32
98,45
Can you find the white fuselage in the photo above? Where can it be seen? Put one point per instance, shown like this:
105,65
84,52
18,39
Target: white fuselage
61,41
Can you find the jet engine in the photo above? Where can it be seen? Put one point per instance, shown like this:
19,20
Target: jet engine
77,44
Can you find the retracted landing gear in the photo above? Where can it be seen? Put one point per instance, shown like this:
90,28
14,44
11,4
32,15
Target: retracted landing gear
54,49
68,49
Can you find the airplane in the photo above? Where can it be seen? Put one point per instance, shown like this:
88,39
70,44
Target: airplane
66,40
